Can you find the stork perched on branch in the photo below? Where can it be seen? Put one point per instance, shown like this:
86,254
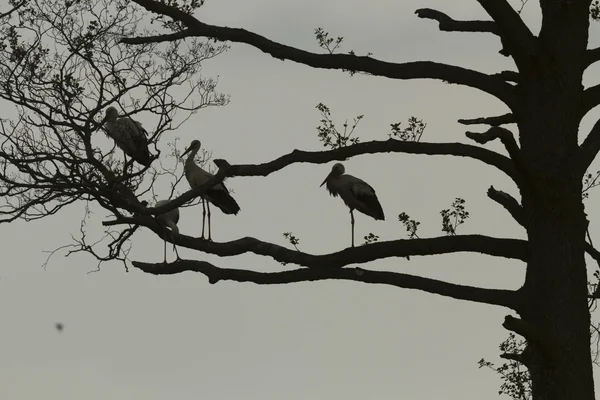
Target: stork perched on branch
170,220
129,135
356,194
218,194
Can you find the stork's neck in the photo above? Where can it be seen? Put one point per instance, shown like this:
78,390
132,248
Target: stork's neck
189,162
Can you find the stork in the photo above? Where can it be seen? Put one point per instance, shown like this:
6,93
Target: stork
356,194
218,194
129,135
168,219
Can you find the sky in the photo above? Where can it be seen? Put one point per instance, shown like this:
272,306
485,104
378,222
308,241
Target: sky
130,335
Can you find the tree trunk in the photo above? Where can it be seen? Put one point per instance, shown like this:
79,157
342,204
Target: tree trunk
555,290
555,296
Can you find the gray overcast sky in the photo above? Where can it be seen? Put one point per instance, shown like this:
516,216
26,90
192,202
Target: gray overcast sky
137,336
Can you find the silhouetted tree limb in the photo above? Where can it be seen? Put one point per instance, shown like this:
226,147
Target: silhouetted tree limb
516,211
500,247
508,76
505,136
413,70
509,203
492,121
517,39
591,56
448,24
388,146
509,142
320,157
590,146
591,98
505,298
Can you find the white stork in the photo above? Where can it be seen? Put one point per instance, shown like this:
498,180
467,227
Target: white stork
218,194
129,135
356,194
168,219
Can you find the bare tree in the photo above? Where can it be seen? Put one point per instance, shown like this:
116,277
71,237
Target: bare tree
547,101
61,65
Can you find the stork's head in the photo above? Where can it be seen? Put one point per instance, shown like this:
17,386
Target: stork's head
195,146
111,114
337,170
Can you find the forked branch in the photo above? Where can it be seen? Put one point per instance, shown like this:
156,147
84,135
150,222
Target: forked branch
413,70
505,298
517,39
507,139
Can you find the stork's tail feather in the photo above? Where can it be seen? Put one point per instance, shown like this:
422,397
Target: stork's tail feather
372,207
143,157
223,200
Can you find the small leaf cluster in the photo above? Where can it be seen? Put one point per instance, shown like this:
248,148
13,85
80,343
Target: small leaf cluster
326,42
370,238
454,216
410,224
330,136
516,381
412,133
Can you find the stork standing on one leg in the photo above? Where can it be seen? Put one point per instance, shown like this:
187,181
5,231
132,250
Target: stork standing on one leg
129,135
356,194
218,194
170,220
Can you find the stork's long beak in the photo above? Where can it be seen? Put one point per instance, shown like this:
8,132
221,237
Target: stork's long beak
325,181
187,151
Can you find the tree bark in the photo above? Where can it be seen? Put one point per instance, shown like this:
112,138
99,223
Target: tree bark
555,289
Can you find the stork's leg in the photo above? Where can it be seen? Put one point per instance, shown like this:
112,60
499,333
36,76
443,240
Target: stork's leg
174,247
352,223
208,207
176,253
165,252
203,216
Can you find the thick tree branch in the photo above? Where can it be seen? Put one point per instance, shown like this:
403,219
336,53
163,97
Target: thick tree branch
516,211
509,203
591,56
509,142
388,146
320,157
492,121
500,247
517,38
448,24
413,70
505,298
591,98
590,146
508,76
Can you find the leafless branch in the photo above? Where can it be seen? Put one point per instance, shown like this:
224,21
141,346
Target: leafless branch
61,67
509,248
448,24
505,298
415,70
492,121
517,39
